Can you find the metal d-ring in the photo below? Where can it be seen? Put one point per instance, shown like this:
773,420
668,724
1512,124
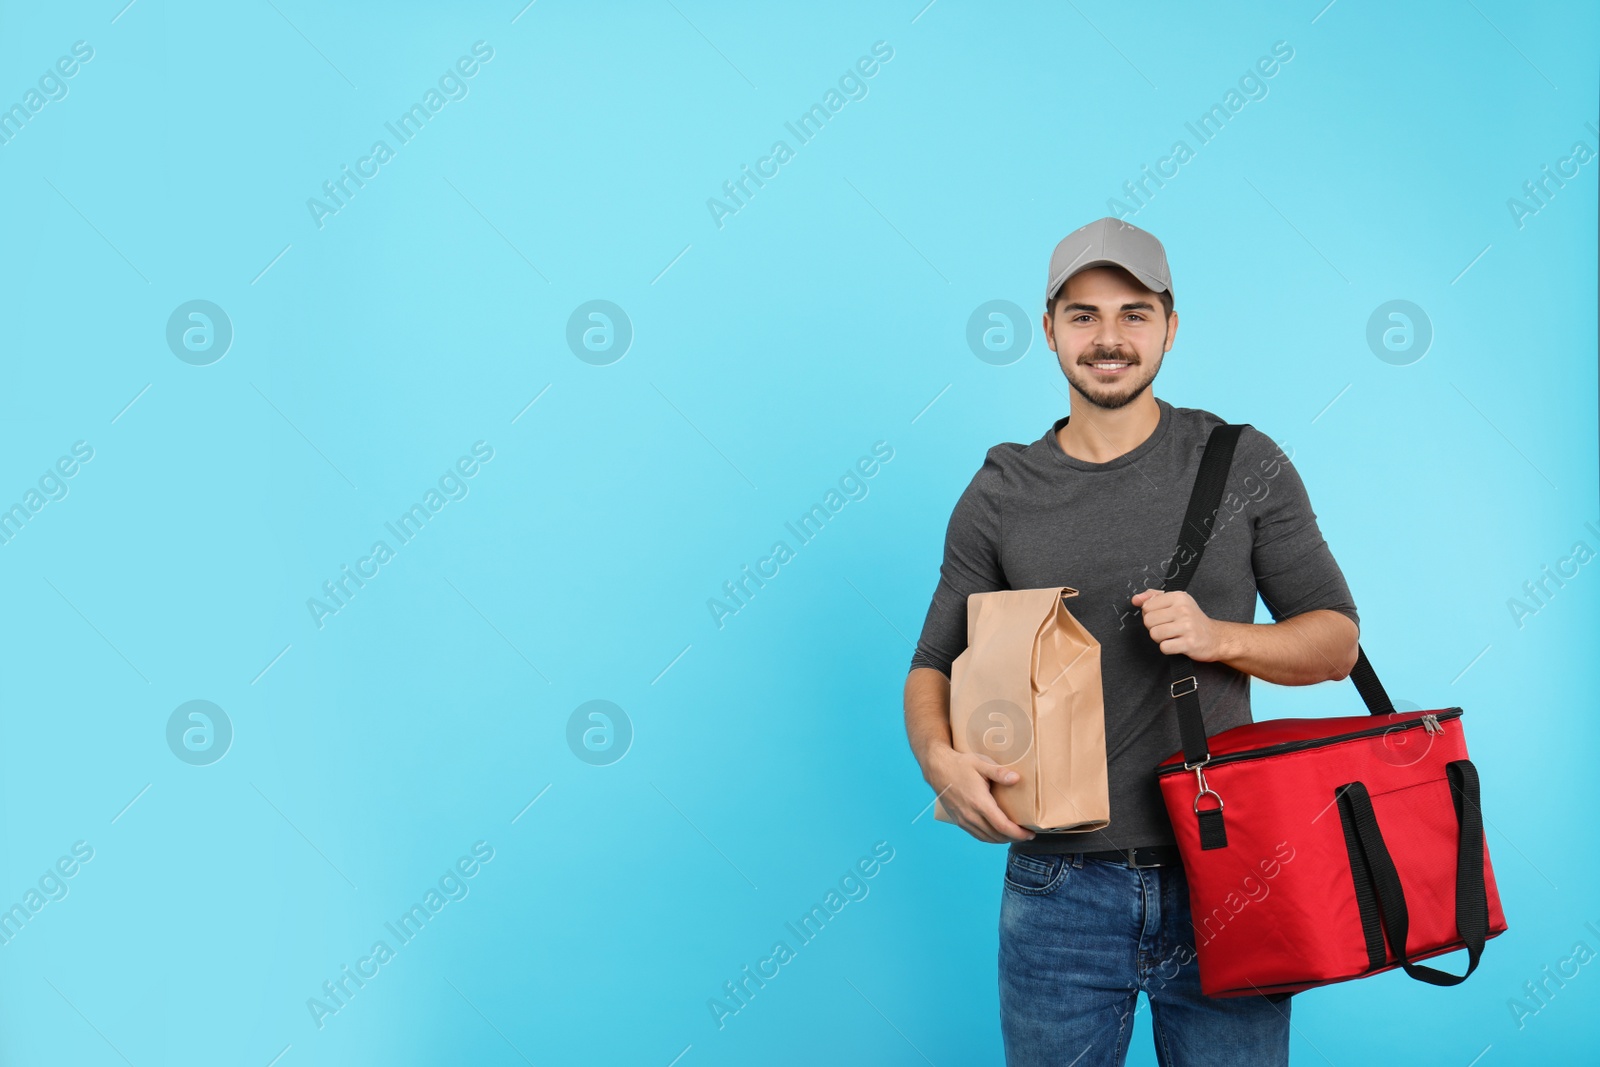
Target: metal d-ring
1200,781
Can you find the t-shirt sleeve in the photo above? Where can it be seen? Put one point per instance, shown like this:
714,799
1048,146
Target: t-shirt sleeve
1294,568
971,565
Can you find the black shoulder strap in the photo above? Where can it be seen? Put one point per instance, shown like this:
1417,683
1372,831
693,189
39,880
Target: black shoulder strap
1199,519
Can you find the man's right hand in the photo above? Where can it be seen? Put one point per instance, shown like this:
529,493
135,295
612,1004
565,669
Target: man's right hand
961,780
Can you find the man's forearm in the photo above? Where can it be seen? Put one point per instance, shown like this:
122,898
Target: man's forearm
1317,646
927,700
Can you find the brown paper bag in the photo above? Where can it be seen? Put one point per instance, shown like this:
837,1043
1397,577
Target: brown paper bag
1026,692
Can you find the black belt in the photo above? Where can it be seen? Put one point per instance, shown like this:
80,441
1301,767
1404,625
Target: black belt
1148,856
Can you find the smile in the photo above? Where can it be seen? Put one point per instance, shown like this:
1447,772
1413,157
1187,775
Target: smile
1111,368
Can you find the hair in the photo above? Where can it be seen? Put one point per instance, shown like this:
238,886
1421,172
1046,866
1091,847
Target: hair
1165,295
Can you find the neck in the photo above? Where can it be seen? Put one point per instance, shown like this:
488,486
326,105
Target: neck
1098,435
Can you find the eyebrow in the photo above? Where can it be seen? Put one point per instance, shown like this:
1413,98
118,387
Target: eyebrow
1137,305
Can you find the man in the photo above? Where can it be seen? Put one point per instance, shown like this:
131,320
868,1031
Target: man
1089,919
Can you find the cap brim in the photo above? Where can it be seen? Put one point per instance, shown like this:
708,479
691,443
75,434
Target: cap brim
1152,284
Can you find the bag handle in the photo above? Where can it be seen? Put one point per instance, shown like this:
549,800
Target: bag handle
1205,500
1472,902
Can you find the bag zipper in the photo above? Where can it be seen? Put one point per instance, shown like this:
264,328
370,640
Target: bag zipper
1429,722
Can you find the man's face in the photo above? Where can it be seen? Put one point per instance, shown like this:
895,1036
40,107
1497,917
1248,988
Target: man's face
1109,335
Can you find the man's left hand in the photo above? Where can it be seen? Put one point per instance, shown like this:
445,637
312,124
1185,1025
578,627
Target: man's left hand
1176,622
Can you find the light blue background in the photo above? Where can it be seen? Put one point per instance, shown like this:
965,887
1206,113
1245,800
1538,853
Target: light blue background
769,354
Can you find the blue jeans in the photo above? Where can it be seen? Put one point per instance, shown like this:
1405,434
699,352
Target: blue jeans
1079,938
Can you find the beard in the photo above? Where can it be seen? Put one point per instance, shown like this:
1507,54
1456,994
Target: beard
1110,395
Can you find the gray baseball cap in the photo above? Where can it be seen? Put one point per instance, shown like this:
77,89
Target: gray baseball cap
1109,242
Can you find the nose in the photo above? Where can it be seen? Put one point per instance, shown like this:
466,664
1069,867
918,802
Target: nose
1108,335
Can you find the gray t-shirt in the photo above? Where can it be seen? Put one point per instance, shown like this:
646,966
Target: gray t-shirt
1035,517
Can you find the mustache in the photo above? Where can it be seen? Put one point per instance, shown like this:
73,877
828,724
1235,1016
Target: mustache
1100,355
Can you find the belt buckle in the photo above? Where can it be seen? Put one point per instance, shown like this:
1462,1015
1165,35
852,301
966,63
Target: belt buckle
1132,854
